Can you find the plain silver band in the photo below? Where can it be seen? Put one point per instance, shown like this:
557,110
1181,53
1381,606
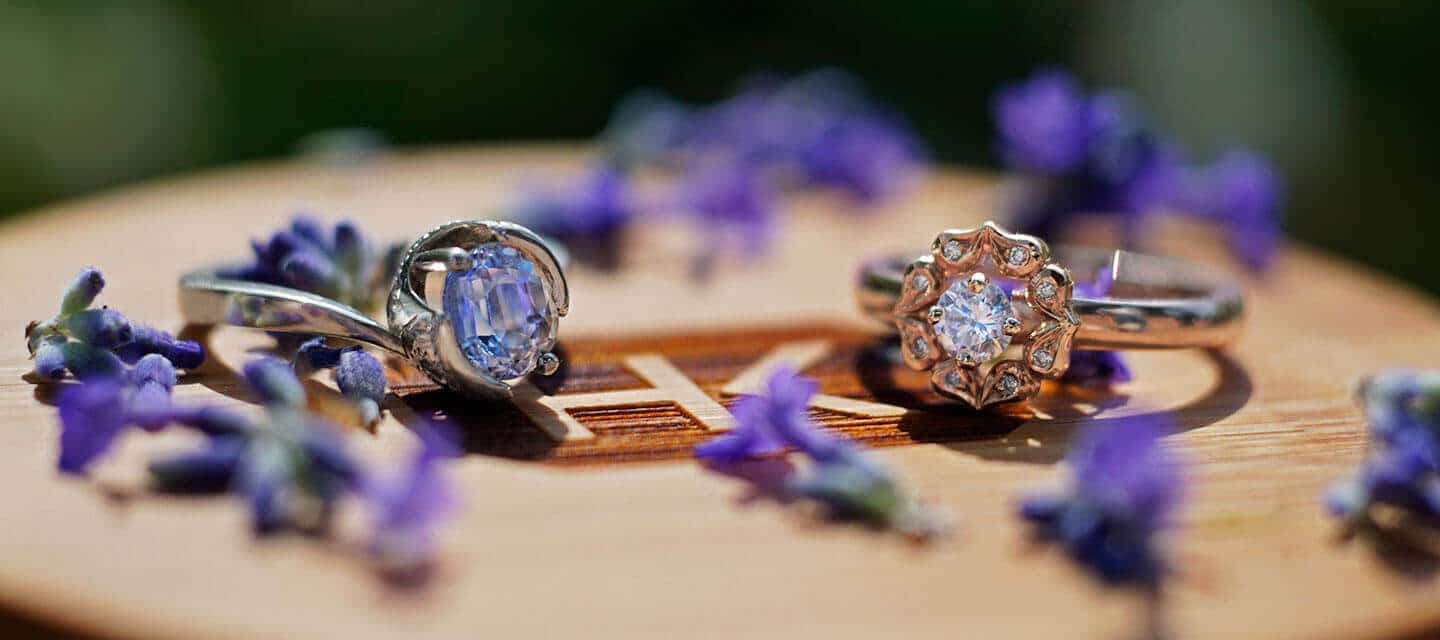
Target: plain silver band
208,299
1155,303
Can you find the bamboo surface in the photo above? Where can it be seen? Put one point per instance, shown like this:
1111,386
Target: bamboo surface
612,531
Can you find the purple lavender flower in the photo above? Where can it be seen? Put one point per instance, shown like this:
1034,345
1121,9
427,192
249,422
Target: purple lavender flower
590,214
1047,124
359,375
102,328
868,157
98,343
50,358
647,126
1403,468
1404,473
767,424
291,467
91,363
274,383
92,415
1241,191
184,354
1124,489
336,263
410,505
82,291
151,382
844,477
1079,155
733,198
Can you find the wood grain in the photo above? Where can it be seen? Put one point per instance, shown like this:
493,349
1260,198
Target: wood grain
618,535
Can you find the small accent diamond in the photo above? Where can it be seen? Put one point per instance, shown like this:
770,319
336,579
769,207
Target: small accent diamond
952,379
920,348
1045,290
920,282
1007,386
1042,359
1018,255
952,251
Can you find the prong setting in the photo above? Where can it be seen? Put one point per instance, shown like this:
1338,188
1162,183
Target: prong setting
457,249
976,282
548,364
964,313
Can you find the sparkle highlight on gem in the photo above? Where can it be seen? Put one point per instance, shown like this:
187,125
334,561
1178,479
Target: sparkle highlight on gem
500,311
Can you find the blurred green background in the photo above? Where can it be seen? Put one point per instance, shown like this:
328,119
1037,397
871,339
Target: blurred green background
1342,95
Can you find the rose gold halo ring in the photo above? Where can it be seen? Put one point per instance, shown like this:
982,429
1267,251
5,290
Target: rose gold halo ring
991,313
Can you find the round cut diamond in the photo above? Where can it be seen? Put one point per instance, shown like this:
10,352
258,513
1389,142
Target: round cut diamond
920,348
1008,385
1046,290
972,326
500,311
1042,359
952,251
1018,255
920,282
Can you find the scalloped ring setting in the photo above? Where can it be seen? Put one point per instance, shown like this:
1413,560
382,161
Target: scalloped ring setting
989,314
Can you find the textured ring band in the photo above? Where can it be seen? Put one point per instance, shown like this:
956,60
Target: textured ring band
956,317
496,318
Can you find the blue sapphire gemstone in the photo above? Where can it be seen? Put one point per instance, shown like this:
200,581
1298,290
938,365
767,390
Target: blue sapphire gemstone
500,311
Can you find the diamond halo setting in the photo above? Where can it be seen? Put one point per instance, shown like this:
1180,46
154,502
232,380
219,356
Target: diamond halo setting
963,325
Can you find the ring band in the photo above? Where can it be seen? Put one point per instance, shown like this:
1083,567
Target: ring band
956,323
448,341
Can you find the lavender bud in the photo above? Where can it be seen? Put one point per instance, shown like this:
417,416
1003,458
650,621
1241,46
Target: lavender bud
50,360
311,271
98,327
350,247
186,354
82,291
91,416
91,363
361,378
144,341
152,379
154,369
311,230
274,382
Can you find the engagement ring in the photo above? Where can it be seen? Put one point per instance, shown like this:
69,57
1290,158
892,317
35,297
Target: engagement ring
473,304
990,313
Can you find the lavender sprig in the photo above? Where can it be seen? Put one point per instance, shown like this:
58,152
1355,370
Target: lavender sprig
290,466
849,481
338,262
1403,467
408,506
93,344
1124,489
1074,154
